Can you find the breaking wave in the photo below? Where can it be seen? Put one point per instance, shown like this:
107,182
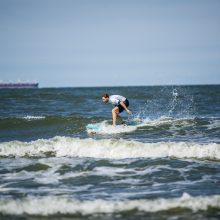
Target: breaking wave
54,205
31,117
108,148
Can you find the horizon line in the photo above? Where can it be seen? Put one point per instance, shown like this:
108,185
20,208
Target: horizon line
111,86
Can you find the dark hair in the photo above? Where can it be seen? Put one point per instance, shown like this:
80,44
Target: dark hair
105,95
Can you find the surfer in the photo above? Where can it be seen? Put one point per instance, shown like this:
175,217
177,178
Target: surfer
121,103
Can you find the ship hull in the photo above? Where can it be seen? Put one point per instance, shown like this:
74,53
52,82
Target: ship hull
18,85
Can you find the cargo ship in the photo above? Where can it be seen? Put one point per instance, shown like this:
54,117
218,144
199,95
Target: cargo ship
18,85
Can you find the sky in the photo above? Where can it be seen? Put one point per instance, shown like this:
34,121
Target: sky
71,43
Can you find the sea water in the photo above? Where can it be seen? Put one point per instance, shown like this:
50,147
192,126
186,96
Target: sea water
163,162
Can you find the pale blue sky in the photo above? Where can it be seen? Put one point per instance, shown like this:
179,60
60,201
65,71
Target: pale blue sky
114,42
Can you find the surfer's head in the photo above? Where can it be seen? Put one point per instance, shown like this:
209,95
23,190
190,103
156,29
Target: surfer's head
105,98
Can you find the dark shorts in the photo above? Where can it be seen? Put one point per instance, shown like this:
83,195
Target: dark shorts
121,109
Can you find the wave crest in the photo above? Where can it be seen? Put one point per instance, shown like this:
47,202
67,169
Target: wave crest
54,205
108,148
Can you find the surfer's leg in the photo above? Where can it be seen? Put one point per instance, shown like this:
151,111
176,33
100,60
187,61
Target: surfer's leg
115,112
119,118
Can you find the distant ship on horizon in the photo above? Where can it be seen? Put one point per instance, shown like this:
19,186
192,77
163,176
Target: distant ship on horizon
18,85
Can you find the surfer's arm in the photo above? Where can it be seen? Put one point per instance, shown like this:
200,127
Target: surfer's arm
125,107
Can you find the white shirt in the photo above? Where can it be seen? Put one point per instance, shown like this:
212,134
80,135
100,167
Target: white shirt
116,99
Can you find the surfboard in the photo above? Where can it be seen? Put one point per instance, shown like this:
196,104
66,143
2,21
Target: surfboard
103,128
93,128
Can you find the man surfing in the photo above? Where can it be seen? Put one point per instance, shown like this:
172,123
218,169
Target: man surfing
121,103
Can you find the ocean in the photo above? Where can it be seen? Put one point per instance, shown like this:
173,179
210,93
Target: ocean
164,163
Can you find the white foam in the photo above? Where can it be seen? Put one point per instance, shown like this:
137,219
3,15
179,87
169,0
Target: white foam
165,120
104,128
213,124
30,117
57,205
108,148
